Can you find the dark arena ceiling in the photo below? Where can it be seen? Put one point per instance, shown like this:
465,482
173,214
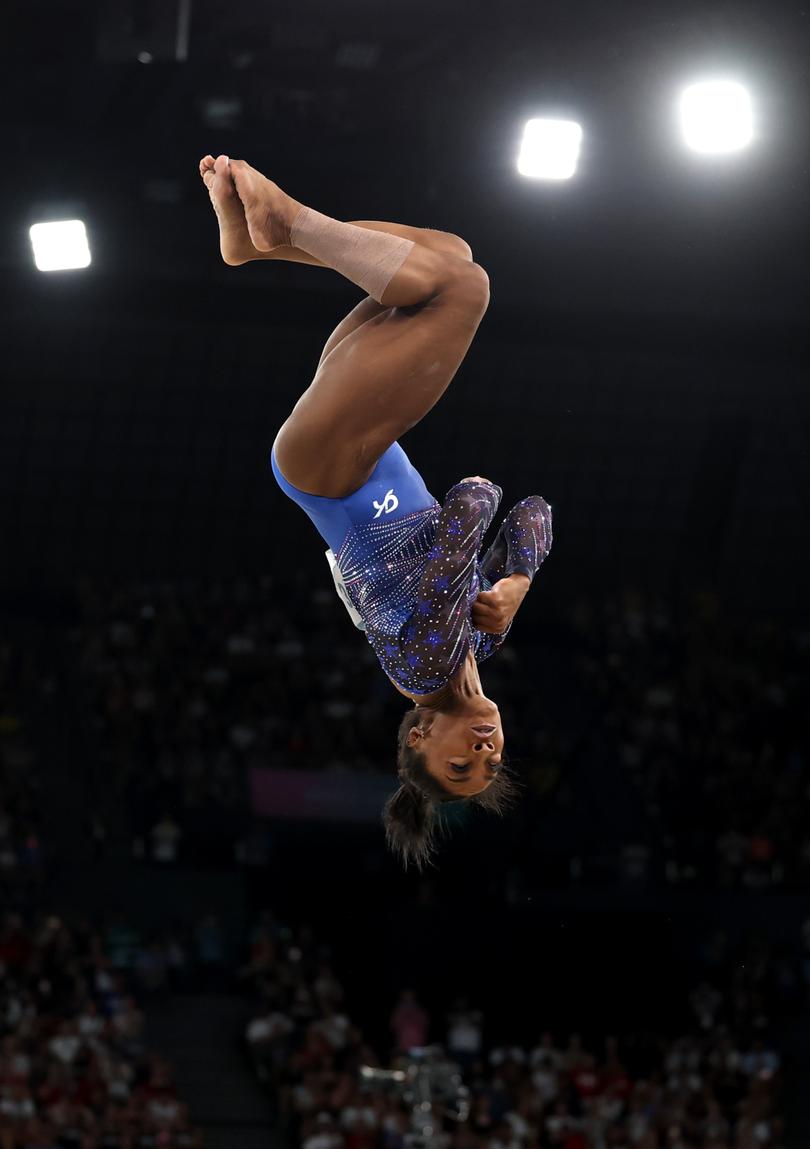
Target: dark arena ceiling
643,362
413,111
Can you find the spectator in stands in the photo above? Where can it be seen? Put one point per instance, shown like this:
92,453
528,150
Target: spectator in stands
703,1090
464,1033
697,722
165,836
409,1022
73,1074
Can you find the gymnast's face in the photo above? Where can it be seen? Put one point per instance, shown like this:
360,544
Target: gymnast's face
462,750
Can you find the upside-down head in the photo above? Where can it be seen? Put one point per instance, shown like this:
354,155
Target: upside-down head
444,755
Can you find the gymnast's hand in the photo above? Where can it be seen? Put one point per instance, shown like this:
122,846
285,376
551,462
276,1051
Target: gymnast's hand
493,610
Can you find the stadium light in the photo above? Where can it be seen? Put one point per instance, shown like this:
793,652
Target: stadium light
716,116
549,149
60,245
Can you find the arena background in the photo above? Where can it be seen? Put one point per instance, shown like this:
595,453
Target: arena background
643,365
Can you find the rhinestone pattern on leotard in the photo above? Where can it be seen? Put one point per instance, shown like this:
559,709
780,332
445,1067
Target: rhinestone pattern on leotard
414,579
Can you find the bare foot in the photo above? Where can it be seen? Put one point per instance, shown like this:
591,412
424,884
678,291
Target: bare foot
268,210
234,240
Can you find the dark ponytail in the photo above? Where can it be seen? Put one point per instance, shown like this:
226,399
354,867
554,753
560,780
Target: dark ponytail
412,815
410,820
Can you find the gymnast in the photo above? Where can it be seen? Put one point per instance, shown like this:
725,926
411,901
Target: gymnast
406,566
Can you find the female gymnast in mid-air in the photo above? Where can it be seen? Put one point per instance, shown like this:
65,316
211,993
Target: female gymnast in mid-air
406,566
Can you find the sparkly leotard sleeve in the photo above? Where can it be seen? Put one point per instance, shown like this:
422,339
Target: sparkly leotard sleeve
413,581
521,545
436,639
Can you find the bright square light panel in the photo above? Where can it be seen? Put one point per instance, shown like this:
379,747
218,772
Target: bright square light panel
61,245
716,116
549,149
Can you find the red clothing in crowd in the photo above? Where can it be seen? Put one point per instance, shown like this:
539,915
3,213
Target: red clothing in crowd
410,1024
586,1081
15,949
618,1081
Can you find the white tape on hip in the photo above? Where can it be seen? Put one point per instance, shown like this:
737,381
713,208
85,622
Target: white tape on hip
343,594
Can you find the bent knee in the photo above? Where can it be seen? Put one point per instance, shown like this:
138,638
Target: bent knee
473,281
457,246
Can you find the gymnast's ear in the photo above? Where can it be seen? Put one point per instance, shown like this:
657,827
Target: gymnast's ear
416,723
411,719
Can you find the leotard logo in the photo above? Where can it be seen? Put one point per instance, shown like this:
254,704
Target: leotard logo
389,503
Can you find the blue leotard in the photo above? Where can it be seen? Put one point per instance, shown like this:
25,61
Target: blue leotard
411,567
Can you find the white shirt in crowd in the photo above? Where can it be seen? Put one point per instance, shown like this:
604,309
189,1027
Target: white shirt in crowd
165,836
520,1126
335,1029
164,1110
464,1033
546,1083
17,1108
498,1143
558,1123
541,1052
90,1025
268,1027
323,1139
357,1116
65,1046
507,1052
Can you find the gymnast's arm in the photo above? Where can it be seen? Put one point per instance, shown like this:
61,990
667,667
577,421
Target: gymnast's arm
493,610
521,546
436,636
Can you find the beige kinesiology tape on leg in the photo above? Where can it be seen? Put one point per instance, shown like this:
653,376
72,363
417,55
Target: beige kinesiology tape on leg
368,258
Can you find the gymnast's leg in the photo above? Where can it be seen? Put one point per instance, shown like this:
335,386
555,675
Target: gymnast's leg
386,374
237,247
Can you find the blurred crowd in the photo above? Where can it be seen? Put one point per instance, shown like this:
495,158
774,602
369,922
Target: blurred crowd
693,725
187,956
184,688
74,1070
714,1086
706,720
